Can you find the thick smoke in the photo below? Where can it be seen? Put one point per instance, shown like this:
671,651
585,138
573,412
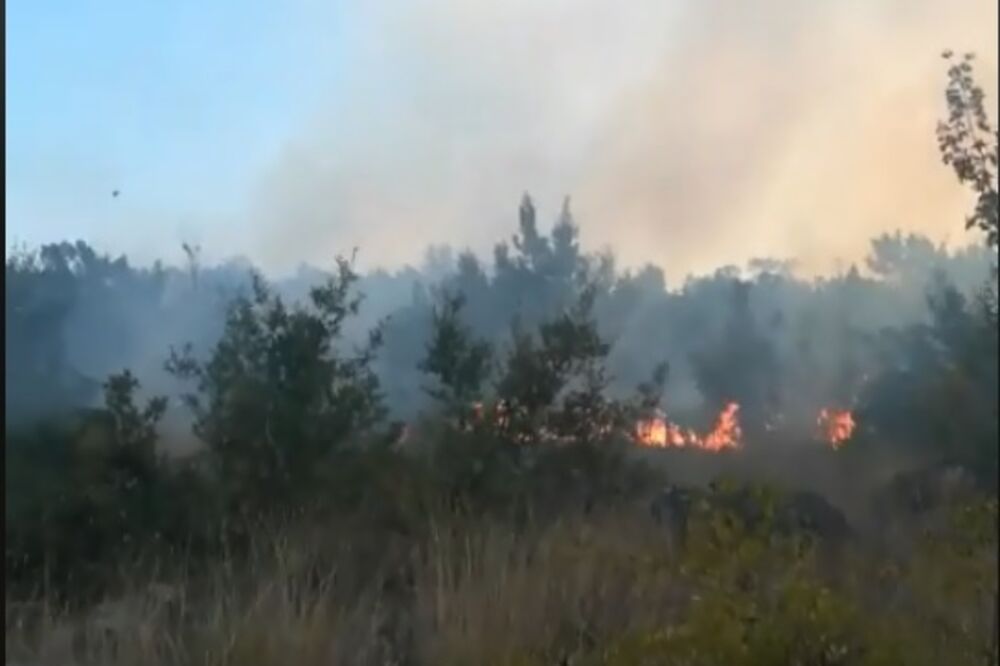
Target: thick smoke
690,134
821,333
780,345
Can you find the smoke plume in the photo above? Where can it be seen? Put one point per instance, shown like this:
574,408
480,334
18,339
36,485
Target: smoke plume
689,134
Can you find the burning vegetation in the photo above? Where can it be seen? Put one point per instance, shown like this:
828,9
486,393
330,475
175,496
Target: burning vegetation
726,434
523,511
835,427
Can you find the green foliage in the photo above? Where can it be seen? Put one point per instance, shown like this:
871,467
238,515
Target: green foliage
278,396
938,393
953,576
948,371
545,433
134,429
460,364
802,623
968,143
552,384
92,490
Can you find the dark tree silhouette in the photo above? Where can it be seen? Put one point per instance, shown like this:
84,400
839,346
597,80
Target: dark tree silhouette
968,143
279,394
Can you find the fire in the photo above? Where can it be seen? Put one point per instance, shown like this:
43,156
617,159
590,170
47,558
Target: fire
480,412
652,432
836,426
659,432
727,432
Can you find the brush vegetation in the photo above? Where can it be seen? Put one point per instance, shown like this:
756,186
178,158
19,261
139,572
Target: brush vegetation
512,521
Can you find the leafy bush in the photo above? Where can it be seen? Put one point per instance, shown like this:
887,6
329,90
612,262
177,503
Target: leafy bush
544,431
86,493
278,395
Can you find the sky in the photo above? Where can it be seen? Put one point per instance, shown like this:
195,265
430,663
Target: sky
178,105
689,133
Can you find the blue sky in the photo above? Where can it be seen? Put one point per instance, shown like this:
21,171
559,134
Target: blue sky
178,104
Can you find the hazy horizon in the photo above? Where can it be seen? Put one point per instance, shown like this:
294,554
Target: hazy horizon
688,134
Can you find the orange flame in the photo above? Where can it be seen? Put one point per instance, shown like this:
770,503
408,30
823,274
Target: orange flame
727,432
661,433
652,432
836,426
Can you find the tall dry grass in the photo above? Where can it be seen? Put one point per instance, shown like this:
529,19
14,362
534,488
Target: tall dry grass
603,588
461,595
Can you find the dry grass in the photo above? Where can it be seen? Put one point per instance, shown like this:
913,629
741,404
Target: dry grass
563,590
459,595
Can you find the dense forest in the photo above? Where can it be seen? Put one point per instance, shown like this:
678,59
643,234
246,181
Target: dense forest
532,458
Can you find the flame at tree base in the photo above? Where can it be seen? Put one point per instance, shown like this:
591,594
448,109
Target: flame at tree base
658,432
836,426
